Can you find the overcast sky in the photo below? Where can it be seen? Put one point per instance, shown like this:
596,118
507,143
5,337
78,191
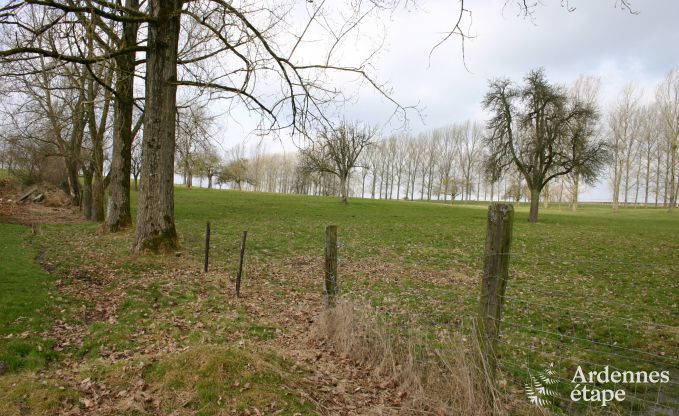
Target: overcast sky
598,38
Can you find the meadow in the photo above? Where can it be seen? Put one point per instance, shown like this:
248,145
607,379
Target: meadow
589,288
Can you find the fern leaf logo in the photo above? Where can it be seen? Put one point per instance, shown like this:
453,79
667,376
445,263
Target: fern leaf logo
540,388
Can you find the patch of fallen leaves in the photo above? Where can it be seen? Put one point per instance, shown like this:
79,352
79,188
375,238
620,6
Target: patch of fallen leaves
286,296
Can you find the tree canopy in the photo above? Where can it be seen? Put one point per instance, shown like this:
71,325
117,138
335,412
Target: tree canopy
542,131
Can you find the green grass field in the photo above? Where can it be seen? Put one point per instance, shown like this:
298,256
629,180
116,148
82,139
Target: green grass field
590,288
25,300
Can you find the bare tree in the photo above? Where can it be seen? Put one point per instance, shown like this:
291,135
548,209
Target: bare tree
585,89
414,164
135,163
432,143
667,97
194,131
236,171
540,131
209,164
97,126
624,126
449,138
470,154
648,147
336,152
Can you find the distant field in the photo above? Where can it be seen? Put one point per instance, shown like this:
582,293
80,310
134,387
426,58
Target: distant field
589,288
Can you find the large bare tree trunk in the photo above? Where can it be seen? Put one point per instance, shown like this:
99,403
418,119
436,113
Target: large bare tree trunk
343,190
534,205
97,131
155,219
118,210
96,163
119,215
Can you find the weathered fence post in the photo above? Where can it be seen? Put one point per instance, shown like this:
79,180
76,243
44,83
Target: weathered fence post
207,245
495,275
240,263
330,264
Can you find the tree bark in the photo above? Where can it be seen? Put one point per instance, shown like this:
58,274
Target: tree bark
534,205
343,190
155,219
87,193
96,159
118,210
73,180
98,182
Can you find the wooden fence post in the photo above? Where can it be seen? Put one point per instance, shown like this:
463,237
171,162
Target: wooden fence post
207,245
495,275
240,263
330,265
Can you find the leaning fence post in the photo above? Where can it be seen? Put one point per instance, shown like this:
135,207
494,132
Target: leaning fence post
207,245
330,264
495,275
240,263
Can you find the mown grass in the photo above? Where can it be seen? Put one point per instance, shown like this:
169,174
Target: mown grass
25,303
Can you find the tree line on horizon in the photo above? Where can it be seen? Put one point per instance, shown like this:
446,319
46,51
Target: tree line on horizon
96,93
450,163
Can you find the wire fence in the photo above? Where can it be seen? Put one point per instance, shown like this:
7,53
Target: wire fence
573,356
550,336
584,329
537,336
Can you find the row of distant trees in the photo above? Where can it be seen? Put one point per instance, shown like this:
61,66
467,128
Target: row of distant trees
632,144
644,141
105,89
